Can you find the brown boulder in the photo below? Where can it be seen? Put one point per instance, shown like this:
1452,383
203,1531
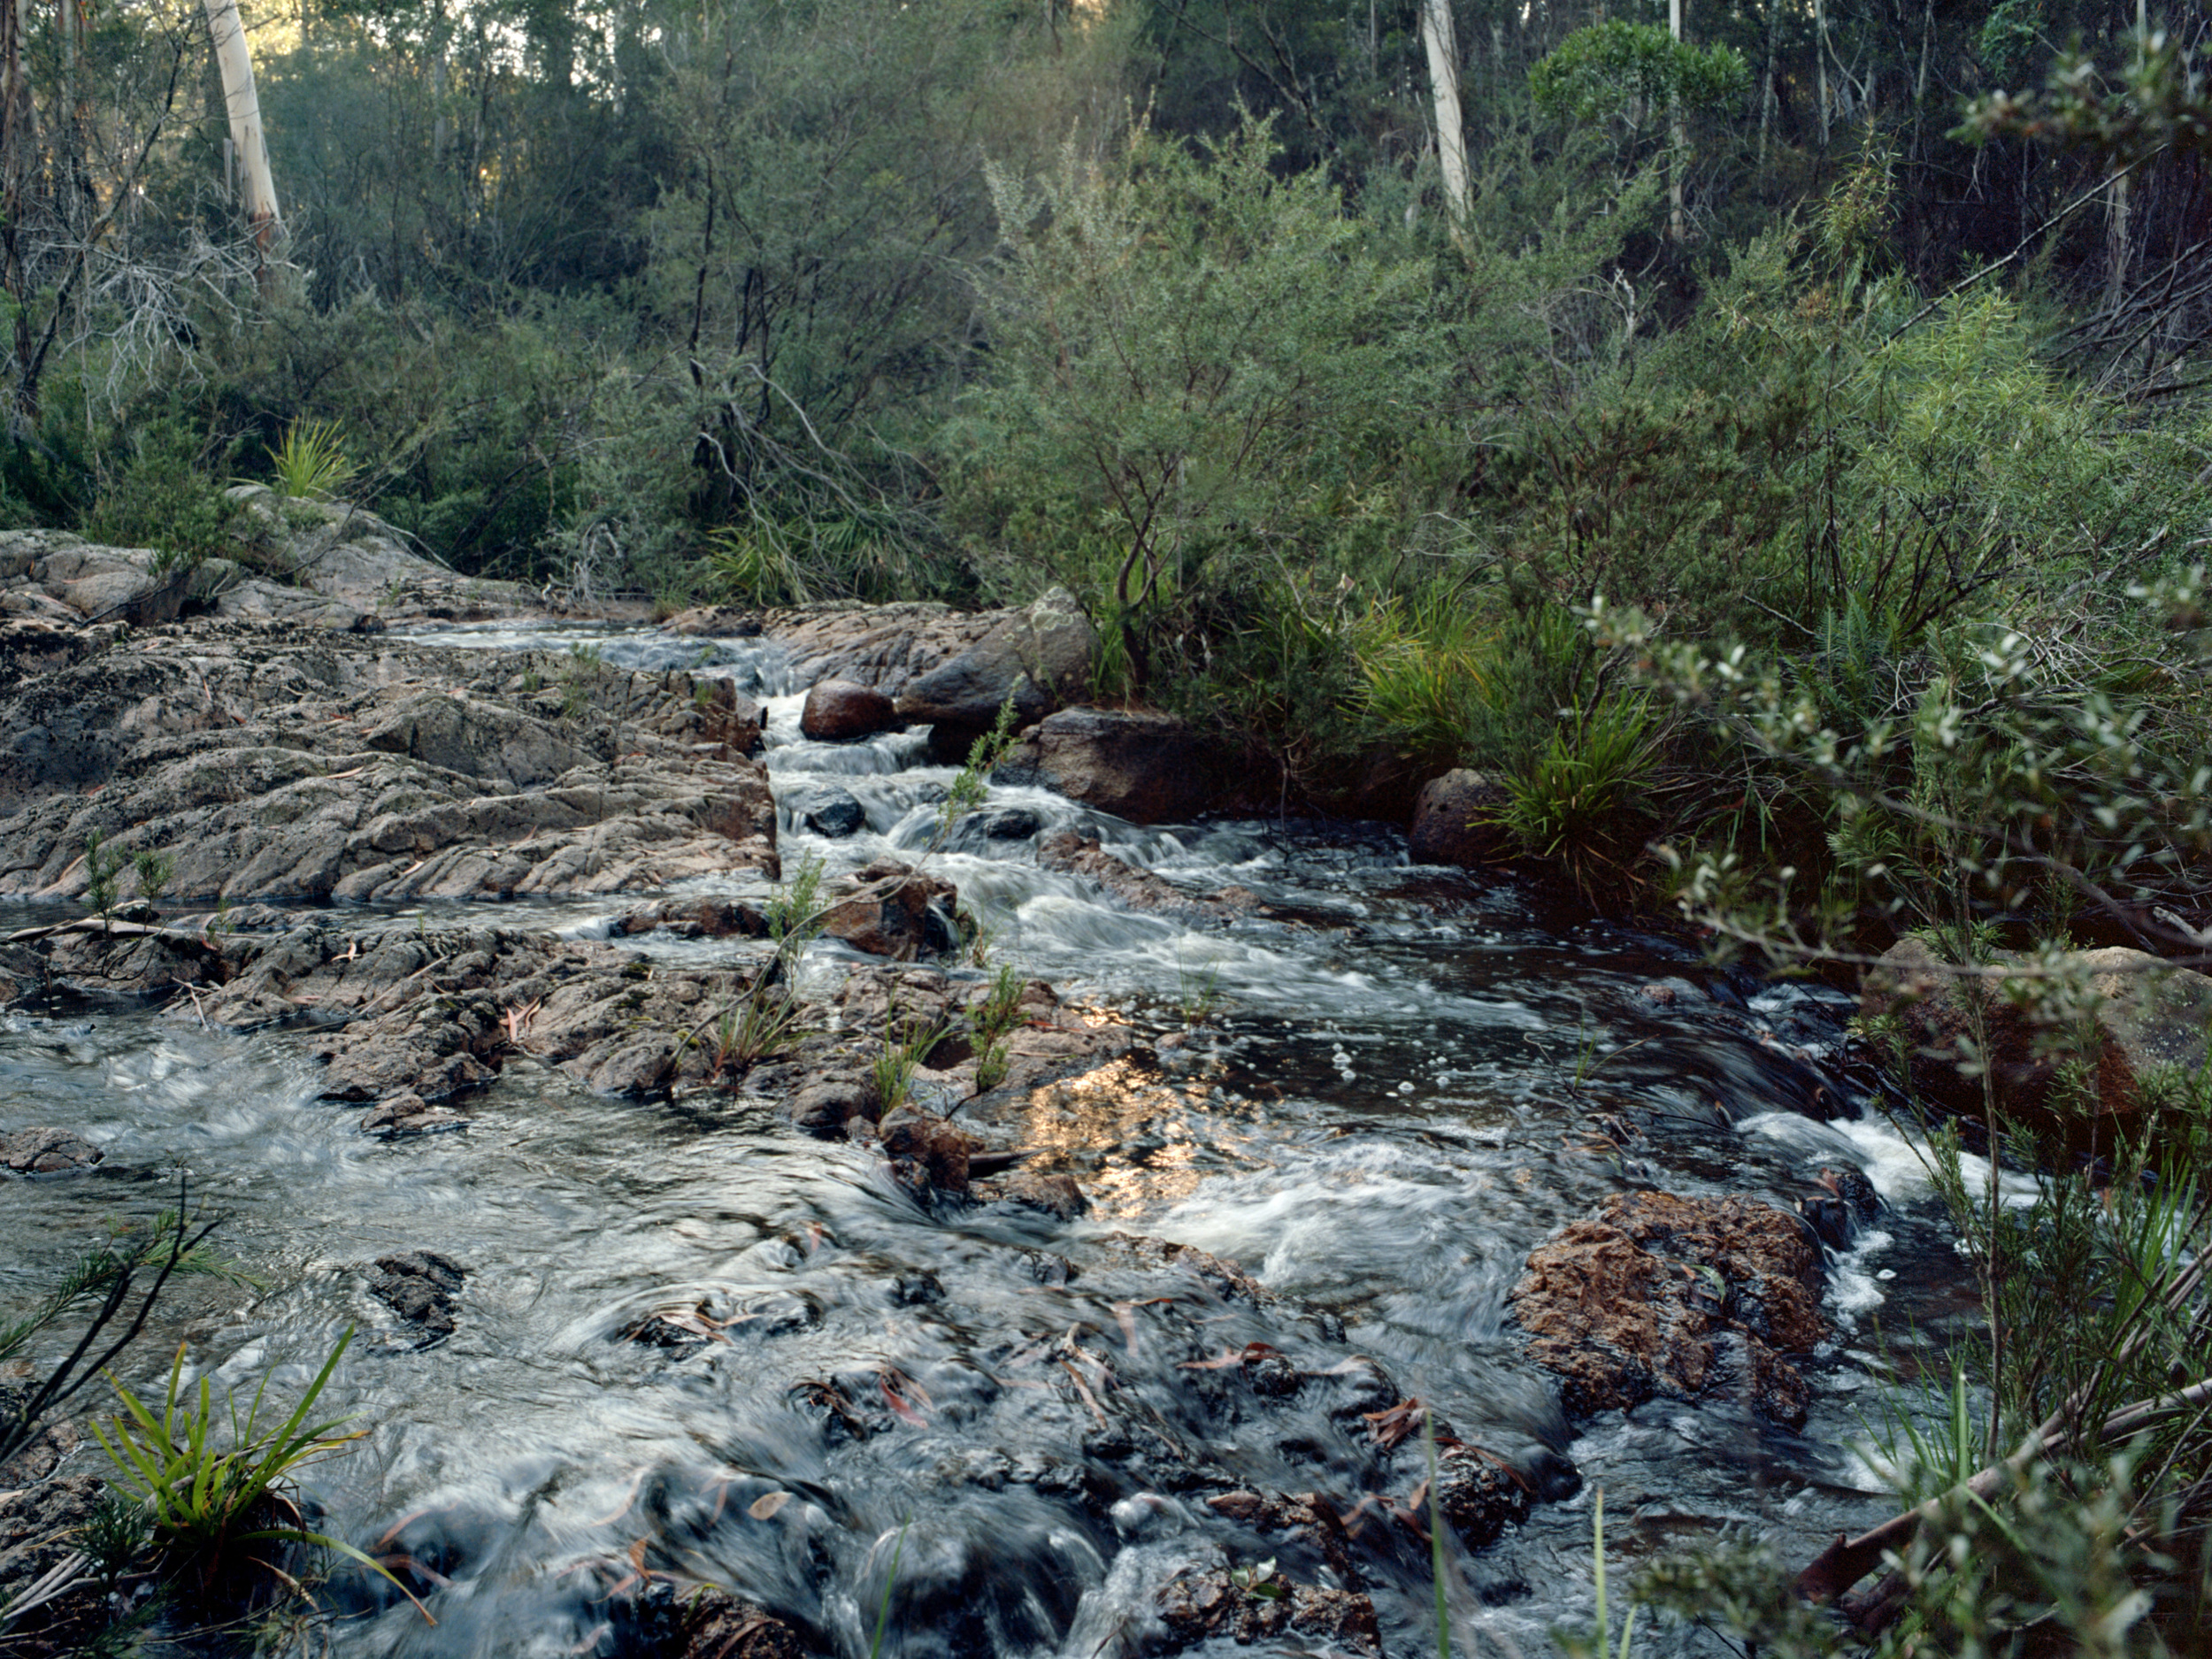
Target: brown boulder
837,708
929,1151
47,1151
2146,1020
1453,822
895,910
1682,1297
1146,767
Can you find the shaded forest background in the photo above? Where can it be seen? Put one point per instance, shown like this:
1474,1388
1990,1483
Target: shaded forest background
1169,300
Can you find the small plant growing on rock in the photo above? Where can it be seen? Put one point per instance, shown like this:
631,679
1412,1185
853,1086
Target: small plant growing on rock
310,464
102,866
579,678
153,871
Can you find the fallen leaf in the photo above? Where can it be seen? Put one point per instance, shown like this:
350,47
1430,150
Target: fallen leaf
764,1507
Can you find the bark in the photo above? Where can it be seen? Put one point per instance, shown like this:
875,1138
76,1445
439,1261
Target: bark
1677,135
243,106
1820,60
1451,133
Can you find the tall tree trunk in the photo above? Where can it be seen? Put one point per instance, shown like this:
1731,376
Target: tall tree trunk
1766,87
242,104
19,143
1820,58
1451,134
1677,135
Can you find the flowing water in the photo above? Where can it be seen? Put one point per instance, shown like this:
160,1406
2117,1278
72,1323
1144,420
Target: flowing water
1404,1078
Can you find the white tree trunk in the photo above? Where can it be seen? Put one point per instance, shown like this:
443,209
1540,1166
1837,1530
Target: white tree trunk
228,34
1451,134
1677,133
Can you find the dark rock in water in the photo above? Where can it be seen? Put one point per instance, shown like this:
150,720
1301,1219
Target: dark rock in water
718,1625
1453,824
1680,1297
1041,656
894,910
47,1151
407,1113
1480,1496
39,1529
1056,1195
837,710
1011,824
1198,1605
829,812
1855,1188
828,1107
700,918
1146,767
420,1286
928,1152
1308,1520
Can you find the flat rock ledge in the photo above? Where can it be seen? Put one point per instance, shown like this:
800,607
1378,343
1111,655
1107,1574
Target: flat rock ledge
265,762
1683,1298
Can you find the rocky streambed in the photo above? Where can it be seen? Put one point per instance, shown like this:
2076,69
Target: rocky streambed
1120,1339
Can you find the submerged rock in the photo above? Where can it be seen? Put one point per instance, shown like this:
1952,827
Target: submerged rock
47,1151
1199,1605
829,811
1680,1297
420,1286
1141,889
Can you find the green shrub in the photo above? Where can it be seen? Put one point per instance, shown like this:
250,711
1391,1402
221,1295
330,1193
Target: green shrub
158,497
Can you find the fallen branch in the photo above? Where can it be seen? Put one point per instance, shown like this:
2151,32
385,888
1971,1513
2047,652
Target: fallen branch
1847,1561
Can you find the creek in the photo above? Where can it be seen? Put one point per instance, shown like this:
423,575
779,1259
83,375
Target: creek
1375,1095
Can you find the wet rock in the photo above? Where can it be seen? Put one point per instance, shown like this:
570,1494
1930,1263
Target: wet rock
2148,1018
1674,1296
1308,1520
407,1113
696,918
39,1528
1453,822
836,710
883,646
269,762
47,1151
732,721
420,1286
928,1153
720,621
715,1624
829,811
1040,655
1480,1495
1140,889
829,1107
1226,1280
1055,1195
1148,768
1196,1606
893,910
